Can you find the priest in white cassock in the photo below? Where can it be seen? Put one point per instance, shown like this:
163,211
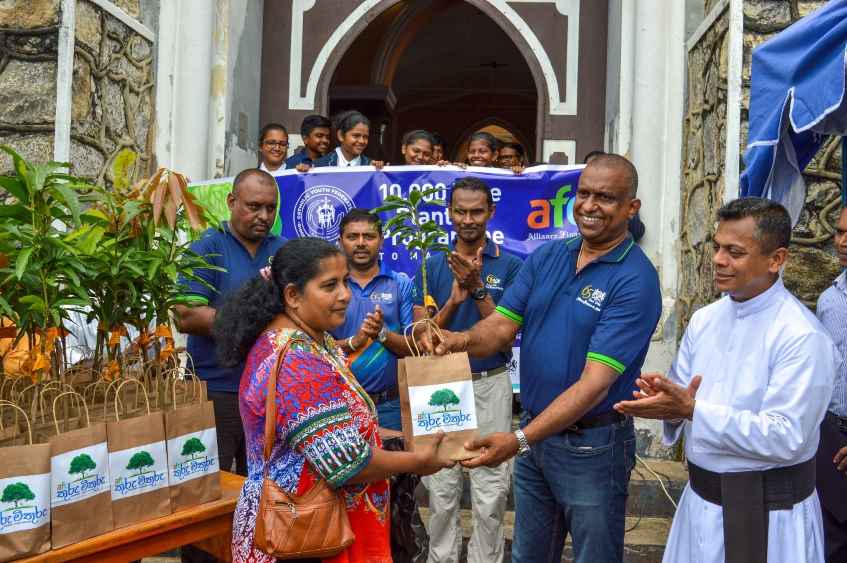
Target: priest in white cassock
748,390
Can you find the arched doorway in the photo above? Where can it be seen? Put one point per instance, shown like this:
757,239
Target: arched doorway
442,66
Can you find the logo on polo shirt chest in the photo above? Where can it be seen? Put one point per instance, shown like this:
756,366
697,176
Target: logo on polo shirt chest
385,297
592,297
493,282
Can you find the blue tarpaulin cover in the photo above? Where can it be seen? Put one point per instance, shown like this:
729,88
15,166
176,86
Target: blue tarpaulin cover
796,102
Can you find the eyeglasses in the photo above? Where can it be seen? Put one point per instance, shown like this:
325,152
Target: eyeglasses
276,144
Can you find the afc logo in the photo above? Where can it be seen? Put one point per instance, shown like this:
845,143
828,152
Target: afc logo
555,212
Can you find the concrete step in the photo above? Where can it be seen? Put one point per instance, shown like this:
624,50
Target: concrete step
646,496
644,540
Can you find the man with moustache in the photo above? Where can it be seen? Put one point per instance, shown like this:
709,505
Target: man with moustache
465,285
372,336
748,390
586,308
832,452
241,248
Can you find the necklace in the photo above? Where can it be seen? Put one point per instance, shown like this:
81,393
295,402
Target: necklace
579,258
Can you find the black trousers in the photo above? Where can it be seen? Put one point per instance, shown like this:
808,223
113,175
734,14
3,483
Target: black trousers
231,444
409,539
832,490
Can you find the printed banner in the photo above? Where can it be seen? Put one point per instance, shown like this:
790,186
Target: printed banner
193,455
79,474
139,470
446,407
24,502
532,208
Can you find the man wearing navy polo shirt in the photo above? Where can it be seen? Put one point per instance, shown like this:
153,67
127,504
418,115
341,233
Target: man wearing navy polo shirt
380,308
466,285
315,132
586,307
241,248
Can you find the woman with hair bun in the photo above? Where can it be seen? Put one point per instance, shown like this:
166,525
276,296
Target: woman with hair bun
321,407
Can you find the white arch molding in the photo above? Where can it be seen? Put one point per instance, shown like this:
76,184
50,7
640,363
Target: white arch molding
557,104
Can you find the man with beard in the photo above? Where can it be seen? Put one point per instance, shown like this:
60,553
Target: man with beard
380,308
586,308
466,284
748,390
242,247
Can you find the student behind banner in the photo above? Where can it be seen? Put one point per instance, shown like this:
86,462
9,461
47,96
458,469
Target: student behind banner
466,284
353,131
242,247
380,308
483,149
416,147
315,132
439,147
273,148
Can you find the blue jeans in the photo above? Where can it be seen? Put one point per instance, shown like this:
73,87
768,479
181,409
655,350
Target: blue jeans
388,414
574,484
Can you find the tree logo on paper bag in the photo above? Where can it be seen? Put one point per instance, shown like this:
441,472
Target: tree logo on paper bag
444,398
81,464
140,460
17,492
193,447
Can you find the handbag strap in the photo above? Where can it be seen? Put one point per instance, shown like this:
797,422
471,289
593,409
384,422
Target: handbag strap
270,401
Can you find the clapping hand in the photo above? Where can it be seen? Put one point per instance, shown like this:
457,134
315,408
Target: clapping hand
372,324
659,398
467,272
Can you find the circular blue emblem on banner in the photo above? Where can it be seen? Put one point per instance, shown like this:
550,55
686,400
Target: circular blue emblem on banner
319,210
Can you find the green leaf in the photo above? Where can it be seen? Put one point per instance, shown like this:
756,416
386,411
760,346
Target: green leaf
414,197
15,187
7,309
22,260
70,198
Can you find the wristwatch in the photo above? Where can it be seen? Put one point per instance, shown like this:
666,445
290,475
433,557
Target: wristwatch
382,336
479,293
523,443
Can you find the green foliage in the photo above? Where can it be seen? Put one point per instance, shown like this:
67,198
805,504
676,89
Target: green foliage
66,245
140,460
16,492
420,238
444,398
81,464
193,446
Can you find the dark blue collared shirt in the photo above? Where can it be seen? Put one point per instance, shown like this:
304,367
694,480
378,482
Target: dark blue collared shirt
499,270
301,157
221,248
605,313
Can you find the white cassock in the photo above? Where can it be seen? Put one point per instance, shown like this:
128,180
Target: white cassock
768,370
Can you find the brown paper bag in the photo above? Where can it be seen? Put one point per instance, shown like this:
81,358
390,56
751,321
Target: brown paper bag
138,465
24,498
81,501
436,393
192,441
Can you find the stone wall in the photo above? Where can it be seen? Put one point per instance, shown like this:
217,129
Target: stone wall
113,88
704,143
113,97
813,265
29,32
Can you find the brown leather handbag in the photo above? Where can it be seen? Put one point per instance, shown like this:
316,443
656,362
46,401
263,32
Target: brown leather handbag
291,527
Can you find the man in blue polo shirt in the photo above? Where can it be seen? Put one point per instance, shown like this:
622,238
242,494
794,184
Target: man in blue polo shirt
466,284
586,308
372,336
241,248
